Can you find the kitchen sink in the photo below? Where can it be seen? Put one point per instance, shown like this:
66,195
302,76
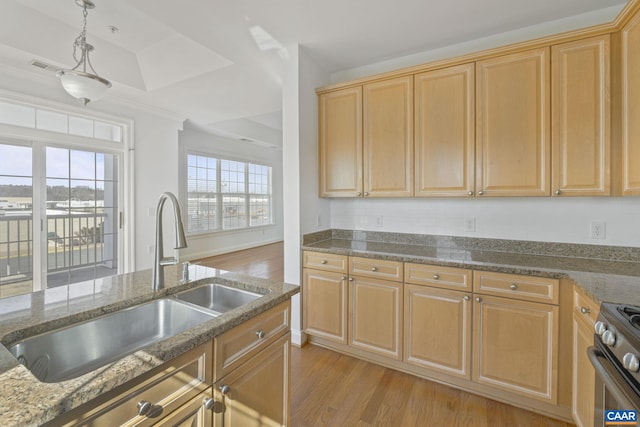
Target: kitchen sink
217,298
67,353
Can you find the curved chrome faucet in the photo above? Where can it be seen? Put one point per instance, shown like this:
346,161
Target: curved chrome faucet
160,261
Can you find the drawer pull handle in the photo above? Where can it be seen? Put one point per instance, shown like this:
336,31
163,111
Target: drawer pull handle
224,389
260,334
374,269
324,261
436,276
513,287
584,310
211,405
144,406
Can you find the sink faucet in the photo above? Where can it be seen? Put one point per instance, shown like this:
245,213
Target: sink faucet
160,261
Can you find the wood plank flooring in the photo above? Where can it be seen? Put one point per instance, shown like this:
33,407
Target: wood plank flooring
331,389
265,261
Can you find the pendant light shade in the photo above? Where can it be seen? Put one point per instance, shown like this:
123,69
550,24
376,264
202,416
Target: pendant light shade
78,81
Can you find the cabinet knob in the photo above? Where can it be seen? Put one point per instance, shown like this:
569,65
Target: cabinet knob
351,279
584,310
558,192
436,276
260,334
324,261
224,389
374,269
466,297
358,194
513,287
366,194
144,406
470,193
480,193
478,299
343,278
211,405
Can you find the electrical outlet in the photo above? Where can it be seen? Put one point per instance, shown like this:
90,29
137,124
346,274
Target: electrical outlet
378,221
470,225
598,230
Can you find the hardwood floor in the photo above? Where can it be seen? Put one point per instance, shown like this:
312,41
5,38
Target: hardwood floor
331,389
265,261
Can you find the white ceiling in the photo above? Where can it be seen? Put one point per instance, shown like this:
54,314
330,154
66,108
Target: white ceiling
219,61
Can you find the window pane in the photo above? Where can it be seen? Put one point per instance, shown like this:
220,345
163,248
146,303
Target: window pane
260,207
57,163
202,213
18,115
233,212
16,225
107,131
83,164
80,126
232,176
48,120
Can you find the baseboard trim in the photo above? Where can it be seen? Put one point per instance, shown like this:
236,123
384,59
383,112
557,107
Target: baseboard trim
298,338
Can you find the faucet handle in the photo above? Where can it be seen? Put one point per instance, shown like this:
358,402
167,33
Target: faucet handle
185,271
168,261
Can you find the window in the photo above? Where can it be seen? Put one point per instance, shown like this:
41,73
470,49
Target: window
226,194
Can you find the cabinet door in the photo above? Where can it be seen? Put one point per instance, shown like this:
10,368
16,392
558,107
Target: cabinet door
340,143
257,393
445,132
437,325
584,375
515,347
512,136
388,138
630,40
376,316
580,123
324,299
191,414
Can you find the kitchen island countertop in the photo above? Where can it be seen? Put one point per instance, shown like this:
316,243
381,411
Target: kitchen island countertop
25,401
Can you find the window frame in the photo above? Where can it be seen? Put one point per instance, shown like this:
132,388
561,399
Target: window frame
219,195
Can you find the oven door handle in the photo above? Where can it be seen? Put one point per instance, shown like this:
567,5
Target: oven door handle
616,385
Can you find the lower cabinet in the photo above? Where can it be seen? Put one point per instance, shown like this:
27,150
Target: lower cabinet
584,376
195,413
515,346
325,304
437,330
376,316
256,393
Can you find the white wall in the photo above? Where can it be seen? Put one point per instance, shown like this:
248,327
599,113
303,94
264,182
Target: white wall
300,165
155,151
228,241
539,219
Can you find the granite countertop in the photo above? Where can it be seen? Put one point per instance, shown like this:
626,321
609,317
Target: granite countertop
25,401
604,280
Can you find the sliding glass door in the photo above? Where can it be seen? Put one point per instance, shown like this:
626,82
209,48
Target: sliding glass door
59,216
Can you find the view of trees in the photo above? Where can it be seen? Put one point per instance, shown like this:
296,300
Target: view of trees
55,193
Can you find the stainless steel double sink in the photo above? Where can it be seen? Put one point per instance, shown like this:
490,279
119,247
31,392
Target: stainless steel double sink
67,353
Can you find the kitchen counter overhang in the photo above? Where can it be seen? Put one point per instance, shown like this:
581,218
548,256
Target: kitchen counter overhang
25,401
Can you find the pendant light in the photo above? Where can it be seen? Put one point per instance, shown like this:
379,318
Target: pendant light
82,81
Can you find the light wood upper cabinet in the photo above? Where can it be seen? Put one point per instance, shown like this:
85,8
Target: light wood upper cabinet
388,138
512,117
445,132
340,142
516,346
630,56
580,103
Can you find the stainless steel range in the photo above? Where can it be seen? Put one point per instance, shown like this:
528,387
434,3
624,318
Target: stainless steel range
615,356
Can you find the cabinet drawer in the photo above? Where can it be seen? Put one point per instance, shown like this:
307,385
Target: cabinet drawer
528,288
322,261
439,277
584,306
179,381
377,268
241,342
